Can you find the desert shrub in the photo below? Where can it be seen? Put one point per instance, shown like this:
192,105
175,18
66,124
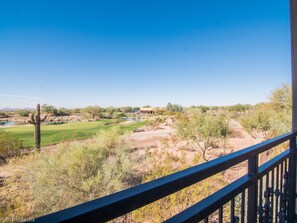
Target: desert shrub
126,109
257,123
174,107
9,146
265,123
48,109
162,164
63,112
203,132
23,112
46,182
281,98
91,111
4,115
267,120
238,108
155,122
118,115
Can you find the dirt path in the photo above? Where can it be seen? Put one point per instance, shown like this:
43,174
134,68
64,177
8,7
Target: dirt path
152,140
239,138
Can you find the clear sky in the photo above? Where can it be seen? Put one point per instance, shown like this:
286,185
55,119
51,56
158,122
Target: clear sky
115,53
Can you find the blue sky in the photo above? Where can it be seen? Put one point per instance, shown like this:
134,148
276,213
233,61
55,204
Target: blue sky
117,53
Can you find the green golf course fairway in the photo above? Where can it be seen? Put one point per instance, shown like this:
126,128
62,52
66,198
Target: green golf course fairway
53,134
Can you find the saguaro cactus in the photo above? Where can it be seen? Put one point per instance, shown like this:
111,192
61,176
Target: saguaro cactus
36,120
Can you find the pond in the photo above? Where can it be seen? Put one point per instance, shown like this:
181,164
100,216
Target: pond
131,119
7,123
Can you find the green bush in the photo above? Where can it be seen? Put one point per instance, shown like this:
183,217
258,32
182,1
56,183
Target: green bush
203,132
63,112
281,98
23,113
75,173
9,146
267,120
174,107
4,115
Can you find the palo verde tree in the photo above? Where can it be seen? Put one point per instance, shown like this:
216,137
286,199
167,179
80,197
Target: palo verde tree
203,132
49,109
36,121
258,122
92,111
267,120
174,107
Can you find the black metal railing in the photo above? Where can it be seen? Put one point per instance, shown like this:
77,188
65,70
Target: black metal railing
267,193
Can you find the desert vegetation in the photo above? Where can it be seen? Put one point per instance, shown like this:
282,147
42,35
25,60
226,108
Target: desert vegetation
9,146
266,120
102,153
203,132
164,163
45,182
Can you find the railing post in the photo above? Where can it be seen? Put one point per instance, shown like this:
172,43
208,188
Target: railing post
252,191
292,181
293,25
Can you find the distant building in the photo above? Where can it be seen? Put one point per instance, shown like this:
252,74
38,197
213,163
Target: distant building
147,110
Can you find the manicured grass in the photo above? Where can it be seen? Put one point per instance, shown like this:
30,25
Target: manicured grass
52,134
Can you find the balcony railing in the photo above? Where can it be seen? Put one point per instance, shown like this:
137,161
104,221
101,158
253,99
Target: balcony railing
267,192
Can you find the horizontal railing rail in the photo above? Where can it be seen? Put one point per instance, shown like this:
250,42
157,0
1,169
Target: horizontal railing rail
211,203
120,203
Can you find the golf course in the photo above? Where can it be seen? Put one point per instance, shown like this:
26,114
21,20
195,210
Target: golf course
53,134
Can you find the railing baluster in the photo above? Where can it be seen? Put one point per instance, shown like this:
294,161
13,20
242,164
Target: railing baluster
272,193
232,210
280,213
221,214
285,197
281,178
242,212
260,208
267,204
267,181
252,190
292,180
276,191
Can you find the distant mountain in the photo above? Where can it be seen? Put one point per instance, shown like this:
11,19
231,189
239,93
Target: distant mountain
7,109
30,109
14,109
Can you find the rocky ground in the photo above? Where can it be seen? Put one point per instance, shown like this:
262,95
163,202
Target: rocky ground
154,140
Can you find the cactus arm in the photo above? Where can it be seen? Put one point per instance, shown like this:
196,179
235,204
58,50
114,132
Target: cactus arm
43,119
37,118
31,121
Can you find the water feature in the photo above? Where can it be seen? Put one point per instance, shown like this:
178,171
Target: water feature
131,119
6,123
